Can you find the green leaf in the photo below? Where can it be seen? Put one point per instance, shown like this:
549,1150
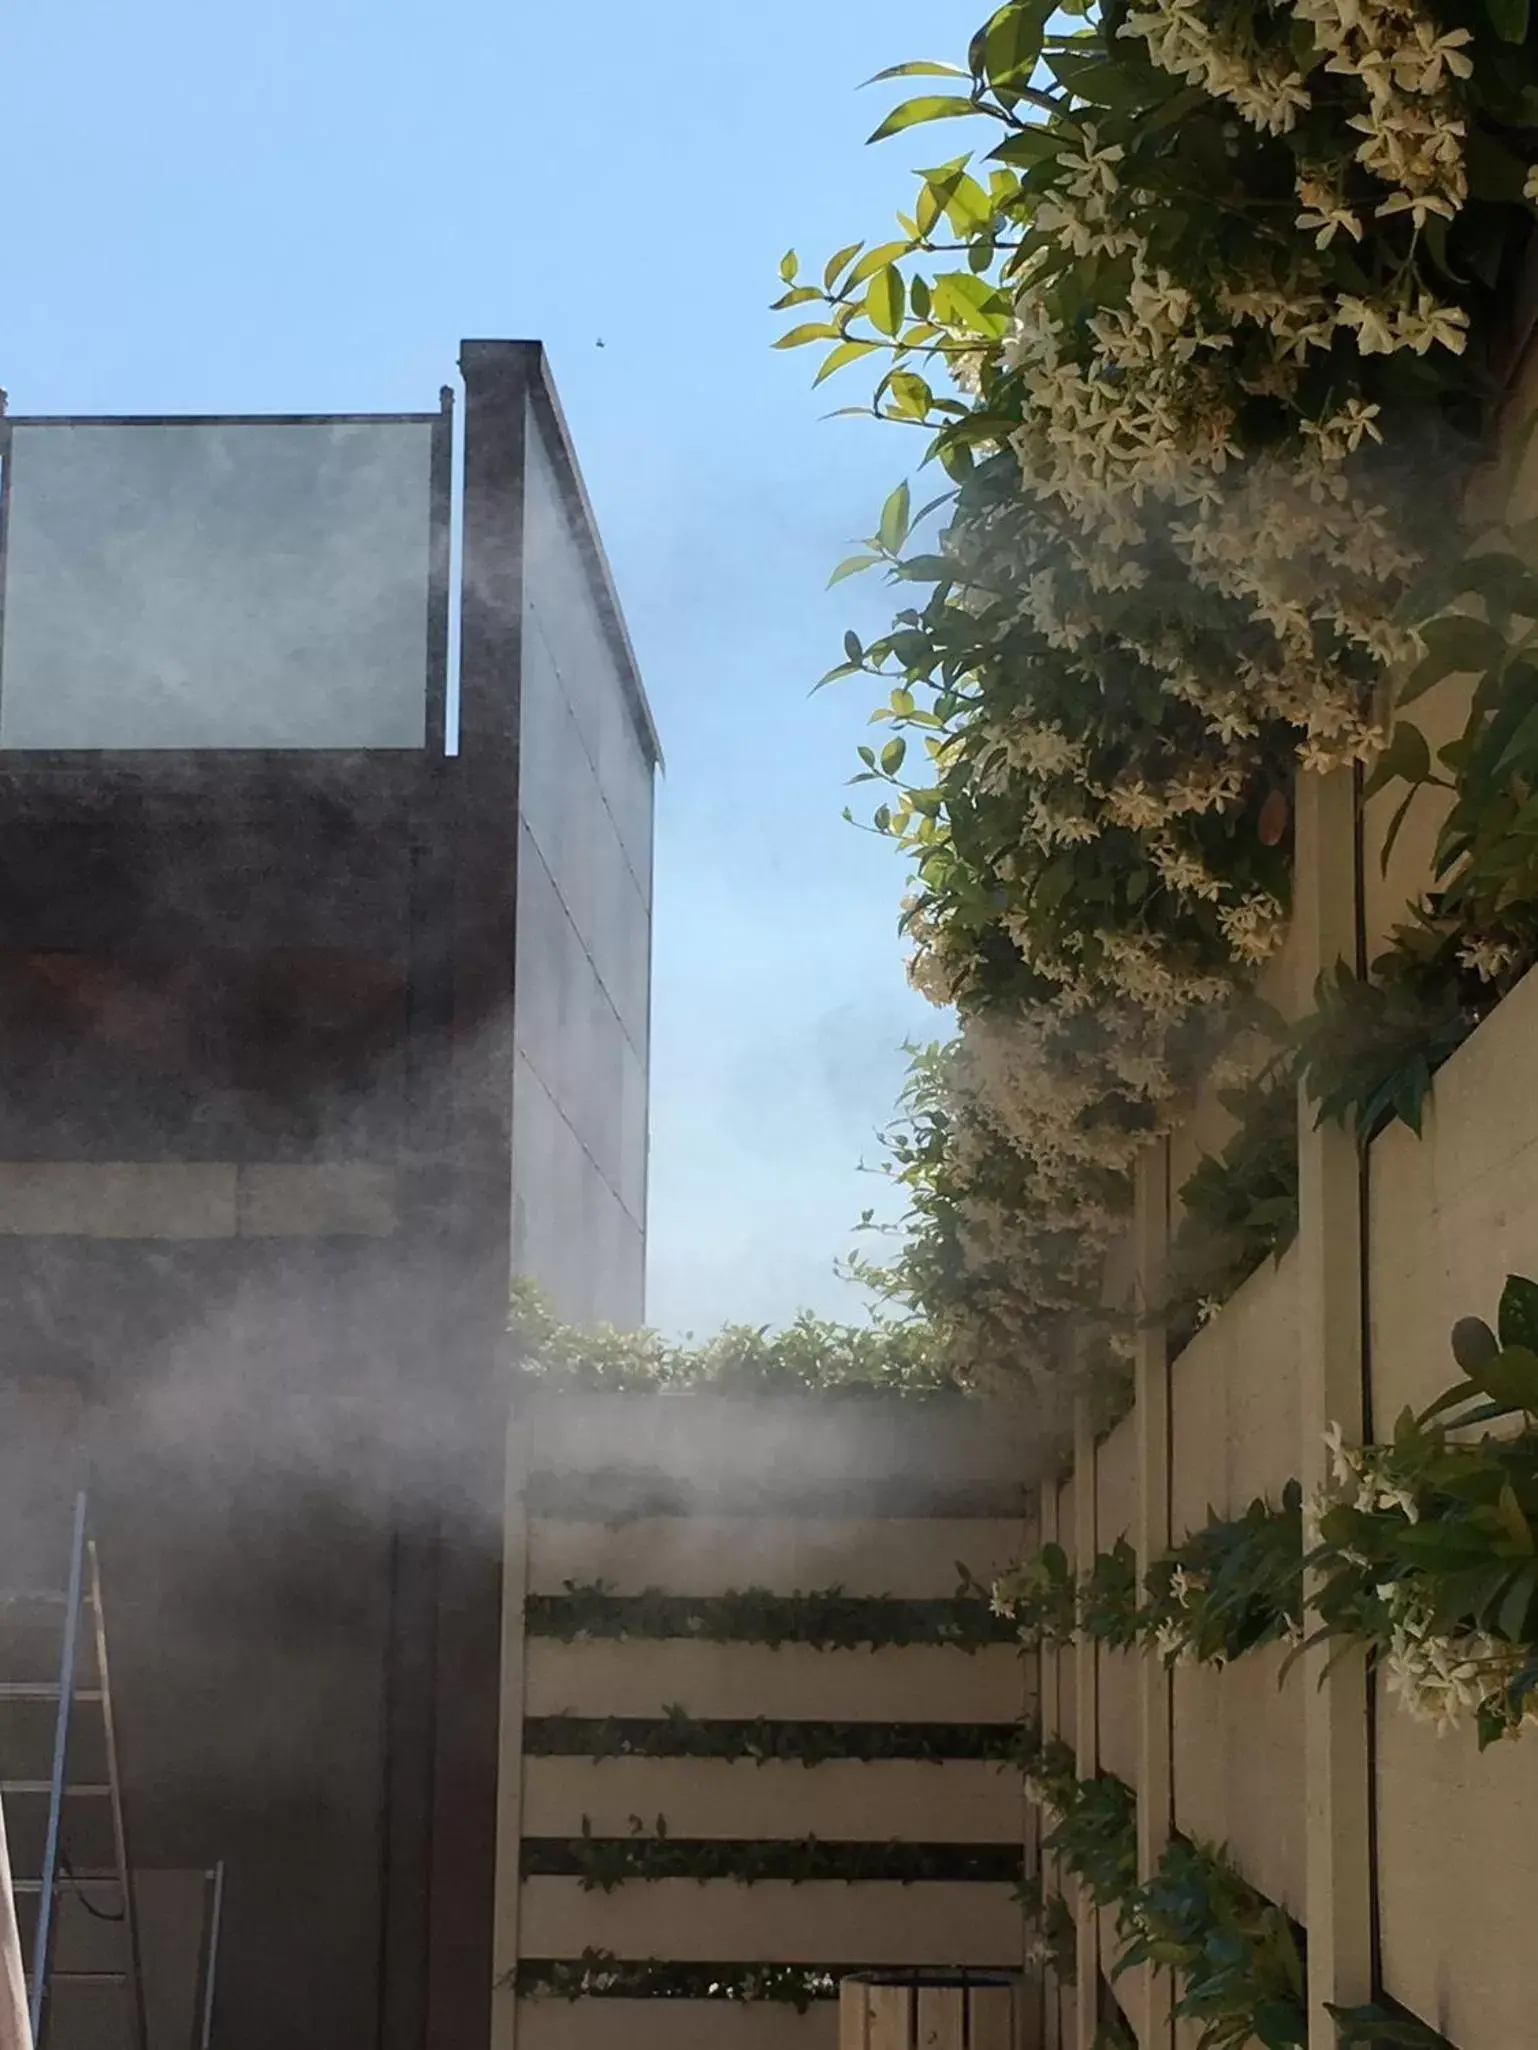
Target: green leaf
1030,146
921,67
1474,1344
1513,1522
851,566
1521,751
877,259
1518,1315
797,296
809,331
893,526
1012,43
892,756
932,107
1509,19
853,652
966,301
846,352
1510,1378
836,263
886,300
789,265
911,394
1401,813
1406,757
1459,643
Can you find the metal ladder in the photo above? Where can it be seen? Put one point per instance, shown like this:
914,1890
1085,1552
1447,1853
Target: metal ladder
45,1812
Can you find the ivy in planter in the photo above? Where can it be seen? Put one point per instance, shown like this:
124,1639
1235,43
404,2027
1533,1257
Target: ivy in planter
1233,1585
827,1618
1427,1548
604,1863
1092,1823
1107,1600
1037,1597
1239,1961
1240,1207
1227,1588
600,1975
676,1734
1372,1046
1053,1943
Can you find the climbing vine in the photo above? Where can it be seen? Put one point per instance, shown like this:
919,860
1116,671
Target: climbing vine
1426,1548
1423,1550
1239,1962
1205,337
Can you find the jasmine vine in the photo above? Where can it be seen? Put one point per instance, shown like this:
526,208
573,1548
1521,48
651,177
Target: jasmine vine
1222,349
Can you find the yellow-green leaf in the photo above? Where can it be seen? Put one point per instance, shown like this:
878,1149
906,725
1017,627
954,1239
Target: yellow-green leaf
809,331
886,300
893,525
931,107
963,300
911,395
921,67
876,259
789,265
851,566
836,263
846,352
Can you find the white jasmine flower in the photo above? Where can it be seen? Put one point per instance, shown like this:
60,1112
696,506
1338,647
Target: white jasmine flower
1488,958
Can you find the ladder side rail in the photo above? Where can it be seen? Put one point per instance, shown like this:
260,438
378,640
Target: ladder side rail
49,1888
119,1830
203,2026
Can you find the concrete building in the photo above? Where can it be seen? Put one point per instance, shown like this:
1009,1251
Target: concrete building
314,1031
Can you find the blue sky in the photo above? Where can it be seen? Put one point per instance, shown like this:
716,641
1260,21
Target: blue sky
303,207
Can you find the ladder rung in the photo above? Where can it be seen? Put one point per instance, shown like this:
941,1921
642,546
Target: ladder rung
44,1597
85,1790
87,1978
64,1882
43,1690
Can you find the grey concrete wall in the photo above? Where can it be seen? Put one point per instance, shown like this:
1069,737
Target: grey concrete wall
584,933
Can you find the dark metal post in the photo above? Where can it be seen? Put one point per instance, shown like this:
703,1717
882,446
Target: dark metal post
482,790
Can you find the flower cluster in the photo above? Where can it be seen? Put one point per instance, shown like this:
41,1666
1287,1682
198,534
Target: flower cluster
1038,1595
1450,1678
